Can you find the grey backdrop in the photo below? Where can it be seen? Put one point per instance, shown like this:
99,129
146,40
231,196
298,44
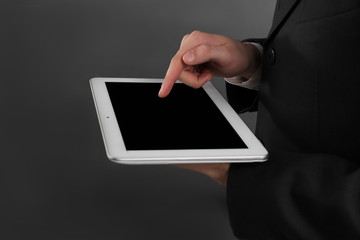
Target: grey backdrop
55,179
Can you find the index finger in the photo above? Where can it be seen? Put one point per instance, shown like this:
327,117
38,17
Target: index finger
175,68
190,41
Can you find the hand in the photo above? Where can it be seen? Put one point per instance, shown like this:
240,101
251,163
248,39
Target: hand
216,171
203,55
200,57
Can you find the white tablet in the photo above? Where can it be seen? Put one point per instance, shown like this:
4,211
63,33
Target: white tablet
188,126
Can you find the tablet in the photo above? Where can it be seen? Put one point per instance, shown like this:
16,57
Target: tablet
188,126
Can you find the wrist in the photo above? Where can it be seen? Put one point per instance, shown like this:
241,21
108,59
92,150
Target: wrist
254,56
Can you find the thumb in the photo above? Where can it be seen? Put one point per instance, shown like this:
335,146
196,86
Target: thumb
202,54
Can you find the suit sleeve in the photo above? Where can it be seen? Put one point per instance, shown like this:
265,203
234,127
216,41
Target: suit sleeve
240,98
295,196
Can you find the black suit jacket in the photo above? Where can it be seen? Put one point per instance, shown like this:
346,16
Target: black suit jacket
309,120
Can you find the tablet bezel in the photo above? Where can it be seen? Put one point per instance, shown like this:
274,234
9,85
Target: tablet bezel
115,147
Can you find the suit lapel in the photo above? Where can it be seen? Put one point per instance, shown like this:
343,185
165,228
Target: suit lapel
283,10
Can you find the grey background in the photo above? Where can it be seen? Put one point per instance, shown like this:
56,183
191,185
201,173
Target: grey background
55,179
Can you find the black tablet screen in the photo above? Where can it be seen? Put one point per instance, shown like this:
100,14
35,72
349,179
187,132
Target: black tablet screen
186,119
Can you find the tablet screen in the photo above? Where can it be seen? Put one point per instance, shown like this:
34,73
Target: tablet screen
186,119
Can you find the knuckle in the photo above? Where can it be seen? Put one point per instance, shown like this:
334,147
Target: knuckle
204,49
184,40
185,37
174,59
197,85
196,34
189,81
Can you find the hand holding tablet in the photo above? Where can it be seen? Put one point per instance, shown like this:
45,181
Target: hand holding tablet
189,126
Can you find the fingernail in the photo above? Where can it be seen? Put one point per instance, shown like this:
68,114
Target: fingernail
189,56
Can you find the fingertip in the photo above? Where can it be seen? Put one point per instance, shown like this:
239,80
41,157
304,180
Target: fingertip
165,89
161,94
